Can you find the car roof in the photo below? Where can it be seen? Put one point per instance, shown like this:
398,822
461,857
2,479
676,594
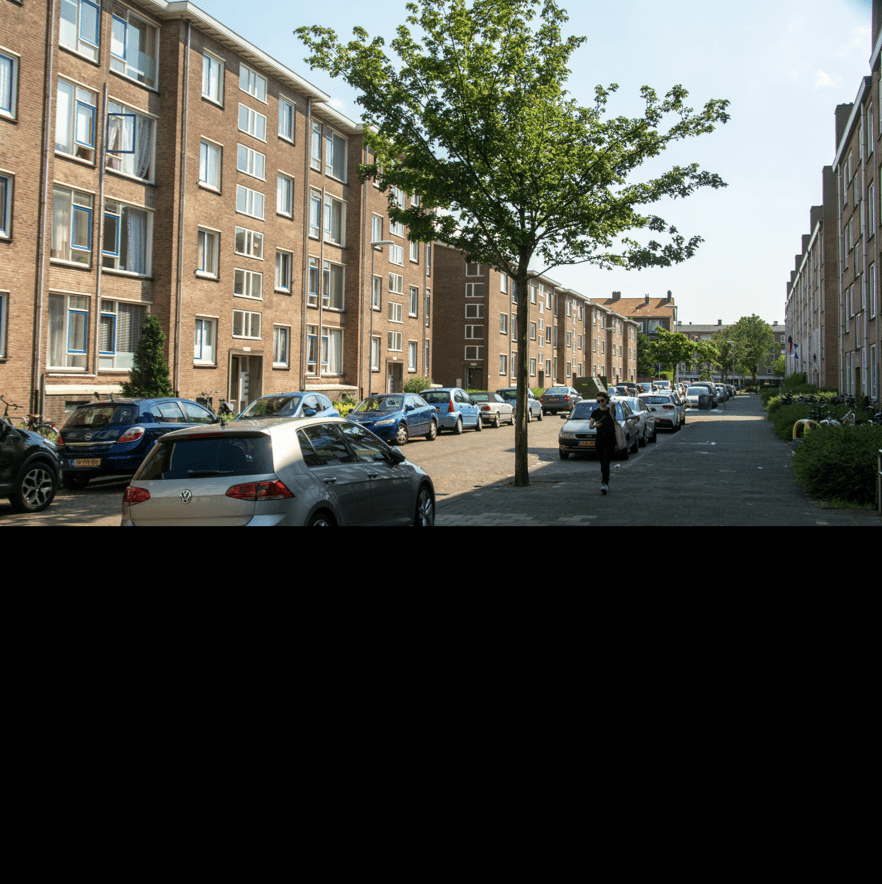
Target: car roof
269,425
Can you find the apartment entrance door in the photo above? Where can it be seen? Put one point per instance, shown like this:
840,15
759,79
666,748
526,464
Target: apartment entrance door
246,379
394,377
474,377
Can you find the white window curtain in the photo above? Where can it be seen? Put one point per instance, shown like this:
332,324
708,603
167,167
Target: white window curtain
136,226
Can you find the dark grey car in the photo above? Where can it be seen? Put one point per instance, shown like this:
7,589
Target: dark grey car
313,471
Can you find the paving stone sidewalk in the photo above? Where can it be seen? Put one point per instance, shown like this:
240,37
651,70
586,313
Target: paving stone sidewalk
725,468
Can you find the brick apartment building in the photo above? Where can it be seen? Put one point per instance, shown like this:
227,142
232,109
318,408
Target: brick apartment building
475,330
143,146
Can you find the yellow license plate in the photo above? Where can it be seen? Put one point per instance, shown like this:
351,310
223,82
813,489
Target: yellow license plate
86,462
586,445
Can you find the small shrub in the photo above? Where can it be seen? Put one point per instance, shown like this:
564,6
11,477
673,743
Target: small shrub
417,384
839,463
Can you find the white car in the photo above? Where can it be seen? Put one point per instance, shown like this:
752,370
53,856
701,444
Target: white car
669,411
494,409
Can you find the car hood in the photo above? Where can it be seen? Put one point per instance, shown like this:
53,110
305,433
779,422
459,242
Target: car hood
373,418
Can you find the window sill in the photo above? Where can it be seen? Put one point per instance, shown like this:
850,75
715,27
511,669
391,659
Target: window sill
70,265
127,273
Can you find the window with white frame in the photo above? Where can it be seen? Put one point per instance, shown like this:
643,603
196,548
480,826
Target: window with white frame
312,349
314,282
128,238
247,284
474,311
473,269
210,163
396,255
503,363
396,284
134,46
412,355
377,293
415,252
287,119
315,214
316,146
252,123
335,220
376,228
474,332
246,324
6,188
119,330
131,142
332,294
205,341
503,323
212,78
284,269
75,119
4,312
68,331
207,252
71,226
285,195
8,84
396,312
396,341
474,353
474,290
249,242
251,162
252,83
281,346
375,354
249,202
414,301
335,154
80,27
332,351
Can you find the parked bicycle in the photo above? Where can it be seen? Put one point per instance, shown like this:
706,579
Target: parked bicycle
224,410
34,422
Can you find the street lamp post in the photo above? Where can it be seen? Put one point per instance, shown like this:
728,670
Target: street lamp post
375,247
733,358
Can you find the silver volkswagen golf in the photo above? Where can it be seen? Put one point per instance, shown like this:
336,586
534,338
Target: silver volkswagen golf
306,471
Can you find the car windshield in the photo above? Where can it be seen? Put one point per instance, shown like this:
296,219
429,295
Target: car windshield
97,416
441,396
582,412
195,457
657,400
272,406
481,397
697,391
380,405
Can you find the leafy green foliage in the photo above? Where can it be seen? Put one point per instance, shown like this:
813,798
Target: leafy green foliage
753,343
149,376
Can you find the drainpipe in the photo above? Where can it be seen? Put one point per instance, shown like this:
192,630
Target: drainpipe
304,289
102,160
176,372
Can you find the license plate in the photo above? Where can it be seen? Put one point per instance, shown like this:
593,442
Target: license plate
86,462
586,445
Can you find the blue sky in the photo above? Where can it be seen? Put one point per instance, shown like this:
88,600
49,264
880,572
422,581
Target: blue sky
783,64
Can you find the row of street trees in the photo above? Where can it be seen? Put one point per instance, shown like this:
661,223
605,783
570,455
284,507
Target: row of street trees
744,346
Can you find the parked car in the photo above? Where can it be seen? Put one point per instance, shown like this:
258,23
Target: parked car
109,438
29,469
396,417
647,428
494,409
312,471
576,438
692,396
290,405
455,409
711,390
534,406
557,399
662,384
669,411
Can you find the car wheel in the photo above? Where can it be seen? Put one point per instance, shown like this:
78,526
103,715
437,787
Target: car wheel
457,430
540,415
635,446
642,440
34,490
479,425
432,435
512,420
654,437
425,509
497,421
564,455
401,435
322,519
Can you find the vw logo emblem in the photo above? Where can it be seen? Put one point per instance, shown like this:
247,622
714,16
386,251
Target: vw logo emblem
88,437
186,496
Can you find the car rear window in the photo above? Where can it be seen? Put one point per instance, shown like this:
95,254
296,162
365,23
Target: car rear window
193,457
657,400
582,412
96,416
436,396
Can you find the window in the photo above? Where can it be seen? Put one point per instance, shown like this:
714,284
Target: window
212,79
285,195
377,293
396,312
249,242
134,46
474,311
315,213
335,155
474,332
281,346
474,290
503,323
207,251
316,146
332,296
415,252
6,182
75,121
396,255
473,269
312,297
412,353
474,353
80,28
503,364
205,341
130,141
210,161
335,220
251,162
396,341
287,117
248,284
332,351
119,331
376,228
396,284
252,123
246,324
284,265
252,83
249,202
414,301
375,354
8,84
312,349
4,312
71,226
68,331
128,238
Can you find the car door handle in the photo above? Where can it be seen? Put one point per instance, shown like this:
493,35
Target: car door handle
331,480
373,475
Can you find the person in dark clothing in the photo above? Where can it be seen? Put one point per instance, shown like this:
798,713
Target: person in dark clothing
603,420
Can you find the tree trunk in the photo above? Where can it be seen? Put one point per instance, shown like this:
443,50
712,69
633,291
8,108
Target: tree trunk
522,469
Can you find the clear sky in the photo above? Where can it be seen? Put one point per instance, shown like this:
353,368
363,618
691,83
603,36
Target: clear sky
783,64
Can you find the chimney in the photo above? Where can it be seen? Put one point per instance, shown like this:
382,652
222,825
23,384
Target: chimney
719,322
646,300
670,298
843,112
617,296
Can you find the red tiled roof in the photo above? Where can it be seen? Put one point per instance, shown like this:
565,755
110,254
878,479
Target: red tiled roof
637,307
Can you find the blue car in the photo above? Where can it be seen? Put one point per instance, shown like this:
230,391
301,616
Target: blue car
112,437
455,408
396,417
290,405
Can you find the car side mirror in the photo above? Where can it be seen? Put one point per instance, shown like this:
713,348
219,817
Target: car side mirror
396,455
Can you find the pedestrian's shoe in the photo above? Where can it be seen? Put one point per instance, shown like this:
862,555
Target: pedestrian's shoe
604,489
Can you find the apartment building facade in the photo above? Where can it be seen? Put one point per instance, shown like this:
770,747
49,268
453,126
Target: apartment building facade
158,163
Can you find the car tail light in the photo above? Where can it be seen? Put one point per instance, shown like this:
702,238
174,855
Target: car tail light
260,491
668,407
451,407
485,408
59,441
135,495
567,398
133,434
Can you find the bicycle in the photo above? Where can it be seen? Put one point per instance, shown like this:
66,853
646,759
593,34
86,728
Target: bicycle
224,412
35,423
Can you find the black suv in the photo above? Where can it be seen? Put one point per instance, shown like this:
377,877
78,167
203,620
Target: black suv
29,469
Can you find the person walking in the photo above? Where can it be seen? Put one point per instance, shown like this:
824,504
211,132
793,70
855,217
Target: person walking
603,419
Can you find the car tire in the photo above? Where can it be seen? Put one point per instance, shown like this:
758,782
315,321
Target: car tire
401,434
642,441
321,519
35,488
432,435
636,446
497,421
512,421
457,430
479,425
654,437
540,414
425,509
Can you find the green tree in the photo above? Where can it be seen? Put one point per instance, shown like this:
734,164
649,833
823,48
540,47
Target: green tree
150,375
753,345
474,117
707,356
669,349
645,364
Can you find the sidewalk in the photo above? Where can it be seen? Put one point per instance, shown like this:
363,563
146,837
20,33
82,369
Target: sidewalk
724,468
